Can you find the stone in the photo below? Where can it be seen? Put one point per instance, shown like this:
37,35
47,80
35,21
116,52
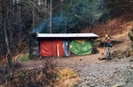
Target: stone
34,53
87,84
131,66
122,84
92,85
35,48
127,54
131,60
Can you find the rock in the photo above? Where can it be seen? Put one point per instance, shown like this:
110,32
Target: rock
92,85
122,84
131,60
34,47
130,35
120,57
131,66
87,84
101,59
34,53
127,55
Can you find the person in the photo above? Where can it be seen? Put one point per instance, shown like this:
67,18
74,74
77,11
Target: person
108,46
107,36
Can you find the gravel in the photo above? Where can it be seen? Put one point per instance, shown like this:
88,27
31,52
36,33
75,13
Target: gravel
113,73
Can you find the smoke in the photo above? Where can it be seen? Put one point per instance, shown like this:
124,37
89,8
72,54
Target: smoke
81,12
58,21
40,28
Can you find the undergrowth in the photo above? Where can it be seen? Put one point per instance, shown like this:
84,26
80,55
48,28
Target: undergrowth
112,27
46,75
40,77
66,78
25,58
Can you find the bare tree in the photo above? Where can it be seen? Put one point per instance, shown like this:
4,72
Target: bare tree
5,15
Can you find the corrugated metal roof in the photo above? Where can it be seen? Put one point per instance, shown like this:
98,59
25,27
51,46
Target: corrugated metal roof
68,35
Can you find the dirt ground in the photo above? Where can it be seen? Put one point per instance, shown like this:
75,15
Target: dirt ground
96,73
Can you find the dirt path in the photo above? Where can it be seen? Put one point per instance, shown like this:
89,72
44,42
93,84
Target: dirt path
95,73
93,58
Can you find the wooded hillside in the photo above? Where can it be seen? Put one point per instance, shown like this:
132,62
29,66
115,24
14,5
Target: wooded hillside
19,18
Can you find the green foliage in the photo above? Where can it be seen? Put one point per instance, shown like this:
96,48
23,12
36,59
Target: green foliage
75,15
79,14
25,58
68,16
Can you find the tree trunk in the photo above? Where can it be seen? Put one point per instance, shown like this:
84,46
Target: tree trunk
7,48
50,16
5,16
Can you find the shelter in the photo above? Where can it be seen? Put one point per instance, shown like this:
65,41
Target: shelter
56,44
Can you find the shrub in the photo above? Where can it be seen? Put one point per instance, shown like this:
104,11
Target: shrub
37,77
25,58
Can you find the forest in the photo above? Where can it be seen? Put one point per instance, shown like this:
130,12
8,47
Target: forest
20,18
